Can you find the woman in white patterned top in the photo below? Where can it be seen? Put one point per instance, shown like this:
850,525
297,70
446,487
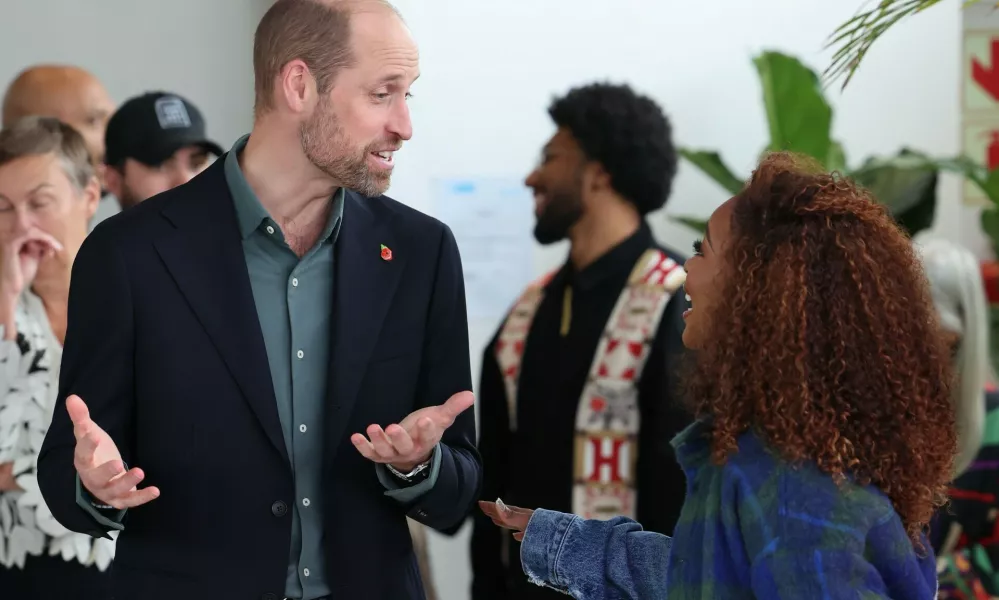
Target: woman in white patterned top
48,192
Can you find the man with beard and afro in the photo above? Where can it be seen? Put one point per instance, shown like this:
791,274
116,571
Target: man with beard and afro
266,369
577,399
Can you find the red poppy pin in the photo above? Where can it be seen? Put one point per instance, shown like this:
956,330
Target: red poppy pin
386,252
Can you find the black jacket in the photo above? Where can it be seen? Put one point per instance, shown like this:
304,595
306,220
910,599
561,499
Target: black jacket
165,347
533,467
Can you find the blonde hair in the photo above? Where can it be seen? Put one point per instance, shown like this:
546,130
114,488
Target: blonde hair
959,295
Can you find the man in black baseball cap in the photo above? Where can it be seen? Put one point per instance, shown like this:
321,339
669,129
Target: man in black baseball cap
154,142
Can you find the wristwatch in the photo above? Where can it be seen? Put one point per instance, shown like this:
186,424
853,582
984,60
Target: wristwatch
411,476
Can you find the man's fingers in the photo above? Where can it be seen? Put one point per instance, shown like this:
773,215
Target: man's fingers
428,433
86,446
119,486
364,446
120,490
78,411
458,404
381,442
102,475
136,498
401,440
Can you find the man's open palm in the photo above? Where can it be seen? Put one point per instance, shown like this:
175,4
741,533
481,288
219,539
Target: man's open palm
99,463
412,441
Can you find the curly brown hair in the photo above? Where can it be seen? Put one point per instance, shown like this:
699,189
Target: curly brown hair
825,341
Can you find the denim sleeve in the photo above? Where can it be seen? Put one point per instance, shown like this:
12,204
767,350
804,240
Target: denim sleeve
595,560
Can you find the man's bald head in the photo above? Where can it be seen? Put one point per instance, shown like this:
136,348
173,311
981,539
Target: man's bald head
70,94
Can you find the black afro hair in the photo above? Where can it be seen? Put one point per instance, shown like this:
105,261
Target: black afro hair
625,132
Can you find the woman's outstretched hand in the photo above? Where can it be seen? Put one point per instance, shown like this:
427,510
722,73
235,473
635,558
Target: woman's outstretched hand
508,517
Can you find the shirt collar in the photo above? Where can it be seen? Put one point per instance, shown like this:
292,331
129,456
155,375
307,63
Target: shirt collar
619,258
692,446
250,213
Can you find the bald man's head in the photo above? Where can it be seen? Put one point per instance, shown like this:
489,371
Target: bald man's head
67,93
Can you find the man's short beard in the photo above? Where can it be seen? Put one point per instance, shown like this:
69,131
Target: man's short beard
326,145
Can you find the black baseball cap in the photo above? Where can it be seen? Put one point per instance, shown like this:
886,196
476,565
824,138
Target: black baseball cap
151,127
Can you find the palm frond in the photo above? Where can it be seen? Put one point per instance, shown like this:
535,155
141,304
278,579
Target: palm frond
853,39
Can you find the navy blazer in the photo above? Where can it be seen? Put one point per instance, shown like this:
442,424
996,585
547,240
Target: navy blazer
164,346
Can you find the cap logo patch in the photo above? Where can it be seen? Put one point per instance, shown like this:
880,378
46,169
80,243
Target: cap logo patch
171,113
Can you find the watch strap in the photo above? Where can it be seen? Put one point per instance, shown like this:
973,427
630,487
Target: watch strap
409,476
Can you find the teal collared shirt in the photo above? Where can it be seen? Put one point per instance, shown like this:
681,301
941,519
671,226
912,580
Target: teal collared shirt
294,301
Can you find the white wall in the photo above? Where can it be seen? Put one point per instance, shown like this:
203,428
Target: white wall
201,49
490,68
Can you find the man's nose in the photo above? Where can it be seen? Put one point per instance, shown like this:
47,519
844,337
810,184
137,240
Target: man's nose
401,123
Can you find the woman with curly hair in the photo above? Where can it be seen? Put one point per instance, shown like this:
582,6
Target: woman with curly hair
825,434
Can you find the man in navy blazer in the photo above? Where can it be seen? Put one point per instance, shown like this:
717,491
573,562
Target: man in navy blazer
266,369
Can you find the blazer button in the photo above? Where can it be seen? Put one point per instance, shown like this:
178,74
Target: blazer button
279,509
268,595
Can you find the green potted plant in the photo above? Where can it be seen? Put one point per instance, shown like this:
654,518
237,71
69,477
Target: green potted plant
854,38
800,119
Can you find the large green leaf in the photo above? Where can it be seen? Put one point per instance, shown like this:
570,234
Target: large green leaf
799,117
975,172
836,161
906,184
711,164
990,225
990,186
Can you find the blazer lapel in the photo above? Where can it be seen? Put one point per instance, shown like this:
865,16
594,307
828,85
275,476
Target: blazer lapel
204,255
365,284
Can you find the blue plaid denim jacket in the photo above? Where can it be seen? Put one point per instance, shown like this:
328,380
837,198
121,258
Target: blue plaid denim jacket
756,527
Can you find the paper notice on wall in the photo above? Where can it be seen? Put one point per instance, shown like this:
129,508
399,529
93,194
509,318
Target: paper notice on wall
492,220
980,92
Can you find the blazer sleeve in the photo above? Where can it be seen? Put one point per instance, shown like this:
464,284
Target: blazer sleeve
488,569
97,365
444,372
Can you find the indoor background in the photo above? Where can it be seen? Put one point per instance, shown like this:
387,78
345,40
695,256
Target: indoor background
489,69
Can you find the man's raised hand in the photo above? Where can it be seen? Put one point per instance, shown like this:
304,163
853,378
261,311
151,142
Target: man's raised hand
412,441
99,463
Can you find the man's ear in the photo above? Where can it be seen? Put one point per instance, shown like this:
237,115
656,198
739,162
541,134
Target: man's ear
114,181
595,177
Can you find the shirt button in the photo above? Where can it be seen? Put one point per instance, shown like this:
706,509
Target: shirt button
294,281
306,502
300,354
302,428
270,230
305,572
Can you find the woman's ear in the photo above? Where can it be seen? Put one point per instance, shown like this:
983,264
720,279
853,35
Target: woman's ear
92,196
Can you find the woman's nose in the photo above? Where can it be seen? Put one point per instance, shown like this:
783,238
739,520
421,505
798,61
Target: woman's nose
23,220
